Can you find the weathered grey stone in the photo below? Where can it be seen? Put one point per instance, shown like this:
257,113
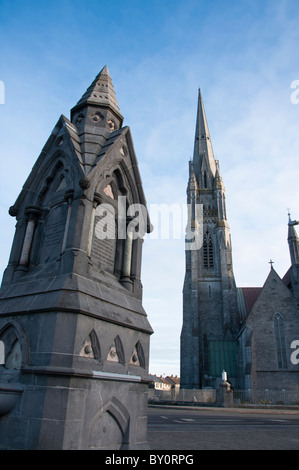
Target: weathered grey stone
209,294
66,320
248,332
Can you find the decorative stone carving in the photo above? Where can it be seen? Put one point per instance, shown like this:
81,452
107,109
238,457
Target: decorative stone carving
13,211
91,347
116,352
84,183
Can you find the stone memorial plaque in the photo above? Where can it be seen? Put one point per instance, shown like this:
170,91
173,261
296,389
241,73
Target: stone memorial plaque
103,244
53,232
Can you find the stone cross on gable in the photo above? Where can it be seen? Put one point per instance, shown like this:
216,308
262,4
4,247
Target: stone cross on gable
271,262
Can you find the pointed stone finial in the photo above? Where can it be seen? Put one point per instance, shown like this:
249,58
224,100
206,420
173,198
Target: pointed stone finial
100,94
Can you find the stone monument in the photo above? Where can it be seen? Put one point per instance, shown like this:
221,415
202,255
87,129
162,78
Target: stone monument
74,337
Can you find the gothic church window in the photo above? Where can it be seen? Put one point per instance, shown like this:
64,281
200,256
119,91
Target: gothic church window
280,341
205,180
208,252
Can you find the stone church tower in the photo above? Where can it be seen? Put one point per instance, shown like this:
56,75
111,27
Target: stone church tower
250,332
74,337
209,295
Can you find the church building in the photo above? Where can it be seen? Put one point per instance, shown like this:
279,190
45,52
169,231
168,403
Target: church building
248,332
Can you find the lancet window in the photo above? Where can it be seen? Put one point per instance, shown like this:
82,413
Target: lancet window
280,341
208,251
205,180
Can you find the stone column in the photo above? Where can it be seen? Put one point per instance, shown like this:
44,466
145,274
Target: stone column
96,202
2,353
68,198
126,280
33,212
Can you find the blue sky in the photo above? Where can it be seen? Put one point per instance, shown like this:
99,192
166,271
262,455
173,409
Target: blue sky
243,54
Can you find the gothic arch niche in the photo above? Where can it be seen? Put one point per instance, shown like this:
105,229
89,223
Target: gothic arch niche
50,228
12,349
14,352
62,182
116,351
120,182
116,250
52,235
55,179
108,243
137,356
106,247
104,238
113,183
91,347
110,428
16,348
104,432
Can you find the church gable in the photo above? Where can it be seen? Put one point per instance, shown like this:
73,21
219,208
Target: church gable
275,289
117,166
120,217
273,319
55,171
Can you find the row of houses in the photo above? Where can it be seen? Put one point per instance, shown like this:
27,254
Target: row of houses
167,384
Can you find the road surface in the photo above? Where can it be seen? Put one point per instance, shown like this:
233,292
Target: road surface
218,428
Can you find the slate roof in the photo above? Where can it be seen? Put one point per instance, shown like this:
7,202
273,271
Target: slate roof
247,296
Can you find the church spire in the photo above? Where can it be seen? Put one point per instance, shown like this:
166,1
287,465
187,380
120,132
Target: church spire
210,311
202,146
